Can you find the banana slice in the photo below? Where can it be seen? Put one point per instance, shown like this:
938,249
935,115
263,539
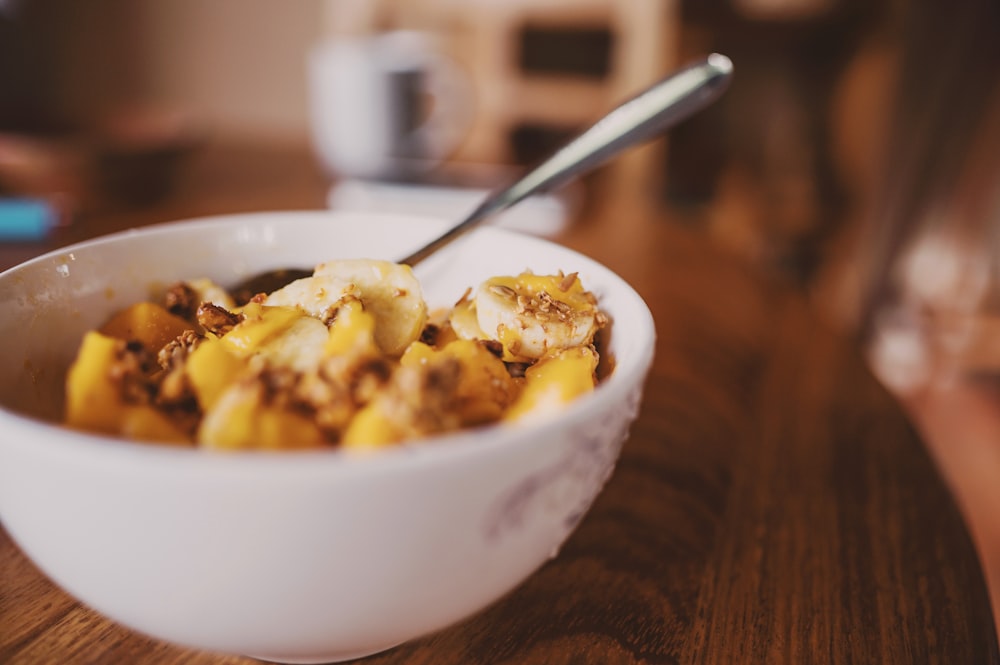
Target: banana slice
465,322
300,347
316,295
533,315
389,291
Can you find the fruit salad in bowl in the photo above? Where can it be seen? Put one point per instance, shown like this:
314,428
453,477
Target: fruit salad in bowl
348,357
327,469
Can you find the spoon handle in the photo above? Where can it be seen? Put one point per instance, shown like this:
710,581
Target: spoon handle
643,117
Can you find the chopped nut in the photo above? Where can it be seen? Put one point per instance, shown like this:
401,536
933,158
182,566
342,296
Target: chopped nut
182,300
493,346
216,319
132,372
176,352
278,383
369,378
503,291
421,399
567,282
429,335
175,391
517,370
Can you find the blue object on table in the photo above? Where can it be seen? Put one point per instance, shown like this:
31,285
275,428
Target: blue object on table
26,219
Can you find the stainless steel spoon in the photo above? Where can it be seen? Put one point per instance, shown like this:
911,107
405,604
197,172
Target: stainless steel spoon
643,117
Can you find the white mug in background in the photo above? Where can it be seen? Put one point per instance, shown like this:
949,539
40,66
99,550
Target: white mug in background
385,105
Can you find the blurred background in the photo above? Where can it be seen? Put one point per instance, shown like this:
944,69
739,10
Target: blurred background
114,104
109,100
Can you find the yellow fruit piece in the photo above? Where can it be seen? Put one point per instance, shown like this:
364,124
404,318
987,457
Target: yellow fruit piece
145,322
93,399
485,388
369,429
260,325
446,335
566,288
242,420
352,331
211,368
553,382
416,354
147,424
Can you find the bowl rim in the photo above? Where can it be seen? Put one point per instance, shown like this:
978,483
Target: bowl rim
60,439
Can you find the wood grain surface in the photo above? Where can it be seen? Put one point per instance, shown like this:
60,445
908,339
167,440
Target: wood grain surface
773,504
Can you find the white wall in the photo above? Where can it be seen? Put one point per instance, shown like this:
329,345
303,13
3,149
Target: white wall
237,64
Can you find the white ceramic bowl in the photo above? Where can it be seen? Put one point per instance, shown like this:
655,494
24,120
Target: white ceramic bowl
294,557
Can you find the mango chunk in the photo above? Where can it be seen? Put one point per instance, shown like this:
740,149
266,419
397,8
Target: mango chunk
553,382
243,420
417,354
352,331
146,322
370,429
260,325
93,398
211,368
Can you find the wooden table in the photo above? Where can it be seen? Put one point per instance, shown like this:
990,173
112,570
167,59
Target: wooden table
772,505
